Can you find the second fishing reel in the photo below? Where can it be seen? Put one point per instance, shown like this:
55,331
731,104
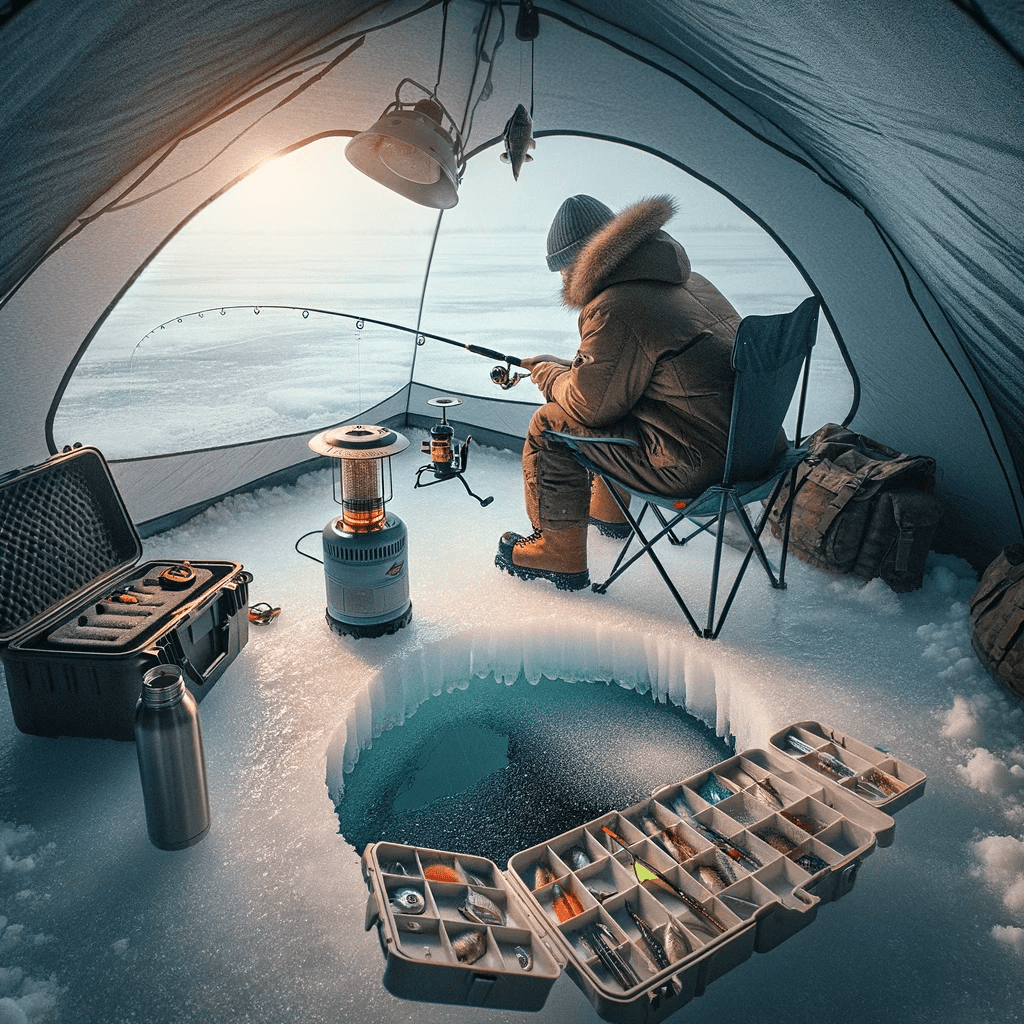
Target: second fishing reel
448,459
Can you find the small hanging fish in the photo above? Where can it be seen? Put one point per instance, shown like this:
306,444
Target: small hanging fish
480,909
408,901
518,136
470,946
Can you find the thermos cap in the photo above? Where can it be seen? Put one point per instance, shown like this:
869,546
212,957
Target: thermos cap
162,686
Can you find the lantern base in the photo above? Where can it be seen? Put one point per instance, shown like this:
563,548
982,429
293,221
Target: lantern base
367,578
374,630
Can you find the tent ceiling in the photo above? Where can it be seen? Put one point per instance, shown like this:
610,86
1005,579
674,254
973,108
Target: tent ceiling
908,114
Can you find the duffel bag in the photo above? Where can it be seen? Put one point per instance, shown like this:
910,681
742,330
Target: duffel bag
862,508
997,618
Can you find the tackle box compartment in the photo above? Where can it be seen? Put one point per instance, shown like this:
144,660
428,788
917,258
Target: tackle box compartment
642,907
81,621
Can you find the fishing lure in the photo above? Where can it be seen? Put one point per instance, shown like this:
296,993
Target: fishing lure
881,783
408,901
768,794
442,873
777,841
810,863
712,878
670,839
577,858
565,903
657,950
727,846
470,946
823,761
645,873
480,909
593,939
524,957
713,790
543,875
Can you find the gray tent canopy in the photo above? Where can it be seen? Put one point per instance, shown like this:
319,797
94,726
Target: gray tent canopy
880,142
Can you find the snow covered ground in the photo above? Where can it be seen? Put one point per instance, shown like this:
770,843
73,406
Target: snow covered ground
263,920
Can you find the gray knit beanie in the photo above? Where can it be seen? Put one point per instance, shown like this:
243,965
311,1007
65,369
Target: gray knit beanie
577,219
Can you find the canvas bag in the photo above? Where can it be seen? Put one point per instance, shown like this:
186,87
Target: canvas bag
862,508
997,618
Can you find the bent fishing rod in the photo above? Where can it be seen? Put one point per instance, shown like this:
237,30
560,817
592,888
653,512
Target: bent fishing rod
500,375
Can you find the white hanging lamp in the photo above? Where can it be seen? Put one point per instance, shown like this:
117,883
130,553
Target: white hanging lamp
408,150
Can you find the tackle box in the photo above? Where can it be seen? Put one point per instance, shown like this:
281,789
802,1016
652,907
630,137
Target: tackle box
81,622
643,907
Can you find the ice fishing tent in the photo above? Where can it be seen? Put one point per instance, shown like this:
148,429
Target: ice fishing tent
880,143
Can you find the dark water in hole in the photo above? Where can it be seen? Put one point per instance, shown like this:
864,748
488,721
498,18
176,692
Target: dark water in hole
494,769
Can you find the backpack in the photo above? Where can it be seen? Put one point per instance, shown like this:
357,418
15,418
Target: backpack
997,618
861,508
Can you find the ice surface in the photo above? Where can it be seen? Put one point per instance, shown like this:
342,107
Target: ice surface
263,920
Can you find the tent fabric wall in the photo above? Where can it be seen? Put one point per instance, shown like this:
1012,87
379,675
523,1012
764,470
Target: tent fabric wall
880,143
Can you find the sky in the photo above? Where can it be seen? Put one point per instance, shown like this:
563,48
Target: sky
286,195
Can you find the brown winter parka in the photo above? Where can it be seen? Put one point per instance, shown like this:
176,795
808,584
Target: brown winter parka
655,346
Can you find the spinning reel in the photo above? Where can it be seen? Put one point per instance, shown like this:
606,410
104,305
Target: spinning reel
505,378
447,458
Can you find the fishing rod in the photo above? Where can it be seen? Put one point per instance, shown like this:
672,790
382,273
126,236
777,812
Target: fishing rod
500,375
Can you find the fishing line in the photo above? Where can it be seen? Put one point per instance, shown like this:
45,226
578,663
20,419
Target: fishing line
423,298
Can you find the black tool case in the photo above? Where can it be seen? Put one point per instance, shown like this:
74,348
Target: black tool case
82,621
709,870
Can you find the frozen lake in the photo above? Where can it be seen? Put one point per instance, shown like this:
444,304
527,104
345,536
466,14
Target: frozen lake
195,355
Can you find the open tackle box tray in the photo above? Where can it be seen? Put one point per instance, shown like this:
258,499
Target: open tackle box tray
643,907
81,622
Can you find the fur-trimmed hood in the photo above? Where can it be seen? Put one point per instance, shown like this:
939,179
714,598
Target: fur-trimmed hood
632,246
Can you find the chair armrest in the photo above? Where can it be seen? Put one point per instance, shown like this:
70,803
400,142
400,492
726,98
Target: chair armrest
574,441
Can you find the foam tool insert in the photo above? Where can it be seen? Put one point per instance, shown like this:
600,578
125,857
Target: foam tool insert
125,616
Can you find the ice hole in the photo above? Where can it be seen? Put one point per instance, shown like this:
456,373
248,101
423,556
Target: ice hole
490,769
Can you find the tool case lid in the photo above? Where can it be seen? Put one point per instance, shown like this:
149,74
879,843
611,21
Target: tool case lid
707,870
64,531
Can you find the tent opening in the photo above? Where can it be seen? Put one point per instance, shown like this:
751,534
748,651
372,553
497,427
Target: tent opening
294,300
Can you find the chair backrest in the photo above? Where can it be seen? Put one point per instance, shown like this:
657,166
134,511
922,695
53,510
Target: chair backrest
768,354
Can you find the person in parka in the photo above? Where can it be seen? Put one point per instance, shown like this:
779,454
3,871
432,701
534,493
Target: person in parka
653,366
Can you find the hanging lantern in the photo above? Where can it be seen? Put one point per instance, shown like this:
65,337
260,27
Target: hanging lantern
365,548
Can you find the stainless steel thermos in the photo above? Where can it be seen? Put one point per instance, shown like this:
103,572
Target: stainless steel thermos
172,767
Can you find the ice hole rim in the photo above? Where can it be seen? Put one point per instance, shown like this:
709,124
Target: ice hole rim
705,683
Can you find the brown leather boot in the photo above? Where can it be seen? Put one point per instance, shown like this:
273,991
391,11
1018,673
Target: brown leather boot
556,555
605,514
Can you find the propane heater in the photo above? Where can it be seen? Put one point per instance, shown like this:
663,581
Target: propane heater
365,548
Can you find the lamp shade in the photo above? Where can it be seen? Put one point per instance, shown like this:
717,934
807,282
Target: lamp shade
409,151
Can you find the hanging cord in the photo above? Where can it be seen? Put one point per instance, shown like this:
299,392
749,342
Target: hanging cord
483,57
444,33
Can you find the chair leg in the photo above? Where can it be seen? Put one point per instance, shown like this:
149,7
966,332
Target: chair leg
716,568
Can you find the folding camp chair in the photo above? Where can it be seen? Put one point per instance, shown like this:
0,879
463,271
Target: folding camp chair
768,355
